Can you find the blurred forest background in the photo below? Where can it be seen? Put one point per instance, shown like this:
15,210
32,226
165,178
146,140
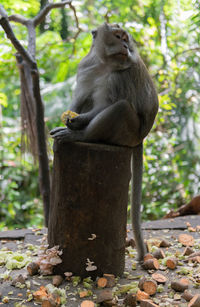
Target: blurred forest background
167,33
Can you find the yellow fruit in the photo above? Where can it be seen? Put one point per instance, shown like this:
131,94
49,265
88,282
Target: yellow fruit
68,115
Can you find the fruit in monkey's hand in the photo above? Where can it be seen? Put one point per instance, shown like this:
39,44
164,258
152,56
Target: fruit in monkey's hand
68,115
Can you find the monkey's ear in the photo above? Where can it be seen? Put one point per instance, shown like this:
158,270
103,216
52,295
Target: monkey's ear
94,33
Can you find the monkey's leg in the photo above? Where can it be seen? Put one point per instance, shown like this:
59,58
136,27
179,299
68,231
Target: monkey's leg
117,124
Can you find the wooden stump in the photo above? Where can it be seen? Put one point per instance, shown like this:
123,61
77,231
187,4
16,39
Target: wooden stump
88,213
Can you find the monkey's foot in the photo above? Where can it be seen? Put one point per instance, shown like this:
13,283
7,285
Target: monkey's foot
55,130
64,135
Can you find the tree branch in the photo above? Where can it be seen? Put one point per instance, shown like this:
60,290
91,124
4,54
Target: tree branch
77,25
42,14
75,15
2,12
185,51
11,36
44,177
165,92
31,38
18,18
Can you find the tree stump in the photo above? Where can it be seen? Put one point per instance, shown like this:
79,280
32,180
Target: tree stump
88,213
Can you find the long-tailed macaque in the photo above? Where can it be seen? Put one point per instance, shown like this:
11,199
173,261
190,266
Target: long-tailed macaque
117,103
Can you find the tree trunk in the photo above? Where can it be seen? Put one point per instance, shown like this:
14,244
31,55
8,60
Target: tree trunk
88,212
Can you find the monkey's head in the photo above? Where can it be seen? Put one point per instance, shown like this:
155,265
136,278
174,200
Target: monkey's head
114,46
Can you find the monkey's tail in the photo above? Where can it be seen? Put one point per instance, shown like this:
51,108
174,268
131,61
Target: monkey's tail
136,197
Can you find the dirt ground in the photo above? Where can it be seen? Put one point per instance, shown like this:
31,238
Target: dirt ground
28,242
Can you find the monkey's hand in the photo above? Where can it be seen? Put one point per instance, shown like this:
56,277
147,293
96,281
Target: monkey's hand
78,123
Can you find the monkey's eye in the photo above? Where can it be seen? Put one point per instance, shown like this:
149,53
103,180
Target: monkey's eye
118,36
125,38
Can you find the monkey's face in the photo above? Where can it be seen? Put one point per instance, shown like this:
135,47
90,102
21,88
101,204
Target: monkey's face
114,46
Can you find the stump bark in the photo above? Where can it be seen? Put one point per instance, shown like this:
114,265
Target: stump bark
88,212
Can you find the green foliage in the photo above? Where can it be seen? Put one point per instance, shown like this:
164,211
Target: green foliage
20,203
167,36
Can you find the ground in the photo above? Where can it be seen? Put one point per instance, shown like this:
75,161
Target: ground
28,242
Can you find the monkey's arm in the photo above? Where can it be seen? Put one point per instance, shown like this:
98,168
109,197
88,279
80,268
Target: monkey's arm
81,100
77,104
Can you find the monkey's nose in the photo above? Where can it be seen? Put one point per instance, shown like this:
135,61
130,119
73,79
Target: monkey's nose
125,45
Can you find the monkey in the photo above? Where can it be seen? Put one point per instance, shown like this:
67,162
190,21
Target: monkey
117,104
